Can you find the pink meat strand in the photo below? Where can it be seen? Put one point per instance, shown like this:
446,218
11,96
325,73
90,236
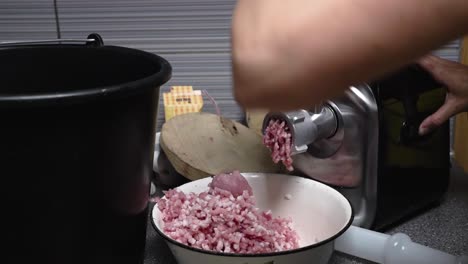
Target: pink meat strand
277,138
219,221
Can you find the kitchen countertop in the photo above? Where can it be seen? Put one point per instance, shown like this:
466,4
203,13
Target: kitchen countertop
444,227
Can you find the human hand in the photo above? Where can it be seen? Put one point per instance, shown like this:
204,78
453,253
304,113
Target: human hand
455,77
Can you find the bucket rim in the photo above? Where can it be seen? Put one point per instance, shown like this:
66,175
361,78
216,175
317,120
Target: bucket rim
151,81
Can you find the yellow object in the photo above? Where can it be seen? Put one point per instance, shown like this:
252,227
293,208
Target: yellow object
182,100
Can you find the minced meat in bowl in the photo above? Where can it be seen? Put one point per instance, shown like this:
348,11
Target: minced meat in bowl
225,219
294,215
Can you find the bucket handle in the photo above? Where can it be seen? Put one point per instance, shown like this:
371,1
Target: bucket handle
93,40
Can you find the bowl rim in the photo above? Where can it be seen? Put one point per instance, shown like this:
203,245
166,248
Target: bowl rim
259,255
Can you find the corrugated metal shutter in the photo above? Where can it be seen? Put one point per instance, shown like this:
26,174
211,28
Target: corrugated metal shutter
192,34
451,51
27,20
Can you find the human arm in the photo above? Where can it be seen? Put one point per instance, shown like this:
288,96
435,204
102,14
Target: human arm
292,54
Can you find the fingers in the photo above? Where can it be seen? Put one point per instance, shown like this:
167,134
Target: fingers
435,65
431,61
445,71
443,114
455,77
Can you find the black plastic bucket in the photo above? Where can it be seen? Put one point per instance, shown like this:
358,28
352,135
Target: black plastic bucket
77,128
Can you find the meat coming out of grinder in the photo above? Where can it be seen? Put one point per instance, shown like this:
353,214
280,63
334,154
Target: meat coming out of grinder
277,138
222,221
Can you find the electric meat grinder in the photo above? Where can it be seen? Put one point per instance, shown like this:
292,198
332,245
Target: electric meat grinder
366,145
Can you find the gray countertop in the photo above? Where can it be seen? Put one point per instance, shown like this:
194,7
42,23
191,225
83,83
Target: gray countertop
444,227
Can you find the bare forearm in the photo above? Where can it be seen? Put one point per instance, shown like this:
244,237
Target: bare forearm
291,54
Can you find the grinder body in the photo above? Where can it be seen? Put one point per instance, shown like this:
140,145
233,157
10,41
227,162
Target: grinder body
365,144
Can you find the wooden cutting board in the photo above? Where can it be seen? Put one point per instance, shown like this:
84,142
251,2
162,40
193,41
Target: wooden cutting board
200,145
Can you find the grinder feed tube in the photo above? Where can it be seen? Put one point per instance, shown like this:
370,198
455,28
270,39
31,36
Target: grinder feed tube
289,133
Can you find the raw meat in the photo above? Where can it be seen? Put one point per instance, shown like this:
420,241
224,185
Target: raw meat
217,220
233,182
277,138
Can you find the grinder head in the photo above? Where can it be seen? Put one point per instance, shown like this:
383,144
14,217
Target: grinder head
306,126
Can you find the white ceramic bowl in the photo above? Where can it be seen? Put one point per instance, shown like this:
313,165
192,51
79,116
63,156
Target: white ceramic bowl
319,213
